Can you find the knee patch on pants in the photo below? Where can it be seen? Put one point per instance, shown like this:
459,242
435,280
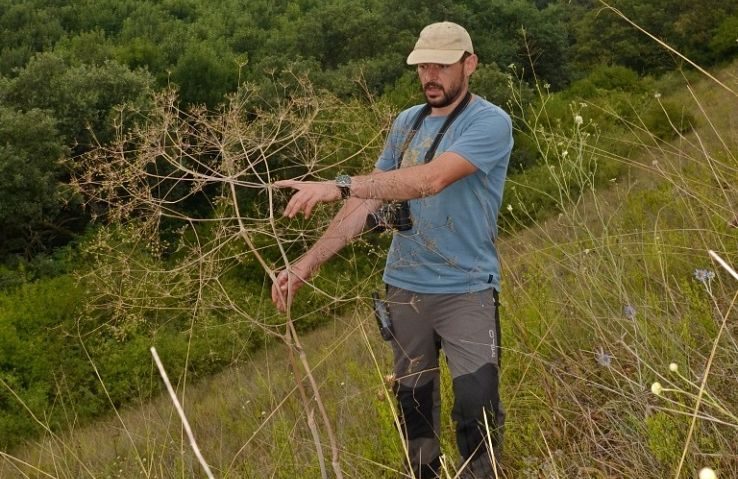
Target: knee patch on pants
476,395
416,407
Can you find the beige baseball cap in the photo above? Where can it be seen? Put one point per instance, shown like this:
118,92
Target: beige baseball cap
442,43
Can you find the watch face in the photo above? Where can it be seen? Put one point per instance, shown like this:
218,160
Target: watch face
343,180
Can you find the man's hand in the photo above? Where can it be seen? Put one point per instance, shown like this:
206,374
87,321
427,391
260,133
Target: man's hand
286,285
309,193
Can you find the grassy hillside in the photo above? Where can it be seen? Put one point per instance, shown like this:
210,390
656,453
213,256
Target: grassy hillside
614,294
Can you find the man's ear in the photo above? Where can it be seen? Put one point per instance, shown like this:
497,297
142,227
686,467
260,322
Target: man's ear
470,64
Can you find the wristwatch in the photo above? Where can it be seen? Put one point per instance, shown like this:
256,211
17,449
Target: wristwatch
344,184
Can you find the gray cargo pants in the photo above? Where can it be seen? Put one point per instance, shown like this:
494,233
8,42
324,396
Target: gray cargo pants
466,327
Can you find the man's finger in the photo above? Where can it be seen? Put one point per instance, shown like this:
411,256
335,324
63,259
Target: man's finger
296,204
286,183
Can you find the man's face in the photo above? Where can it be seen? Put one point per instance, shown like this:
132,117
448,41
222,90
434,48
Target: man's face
442,84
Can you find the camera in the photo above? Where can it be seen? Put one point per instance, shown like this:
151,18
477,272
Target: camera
391,216
382,315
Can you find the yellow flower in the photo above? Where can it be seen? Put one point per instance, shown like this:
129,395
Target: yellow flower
656,388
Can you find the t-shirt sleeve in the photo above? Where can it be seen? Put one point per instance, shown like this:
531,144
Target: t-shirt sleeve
485,141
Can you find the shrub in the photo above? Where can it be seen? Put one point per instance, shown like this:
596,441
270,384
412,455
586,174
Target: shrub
666,120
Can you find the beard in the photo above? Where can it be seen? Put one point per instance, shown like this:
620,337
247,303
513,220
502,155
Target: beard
447,96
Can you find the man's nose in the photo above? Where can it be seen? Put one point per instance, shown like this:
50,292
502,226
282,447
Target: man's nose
430,73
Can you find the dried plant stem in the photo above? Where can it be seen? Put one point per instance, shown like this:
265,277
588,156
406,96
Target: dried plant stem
724,264
291,348
181,412
293,343
316,437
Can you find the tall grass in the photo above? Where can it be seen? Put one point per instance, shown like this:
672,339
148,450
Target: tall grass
613,294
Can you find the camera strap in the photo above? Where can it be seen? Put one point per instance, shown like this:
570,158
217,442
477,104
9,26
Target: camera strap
422,114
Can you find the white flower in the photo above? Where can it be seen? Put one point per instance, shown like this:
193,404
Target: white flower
673,367
656,388
564,154
707,473
657,95
509,208
578,119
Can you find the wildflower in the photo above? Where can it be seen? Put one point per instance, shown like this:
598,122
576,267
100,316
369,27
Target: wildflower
546,86
578,119
509,208
707,473
704,275
603,357
629,312
511,66
587,251
673,367
656,388
564,154
655,163
657,95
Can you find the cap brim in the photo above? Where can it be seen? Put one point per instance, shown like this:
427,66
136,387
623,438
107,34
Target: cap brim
441,57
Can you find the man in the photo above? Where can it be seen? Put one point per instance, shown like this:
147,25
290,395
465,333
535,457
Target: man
443,273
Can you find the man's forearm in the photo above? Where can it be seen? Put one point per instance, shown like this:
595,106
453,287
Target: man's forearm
347,224
402,184
413,182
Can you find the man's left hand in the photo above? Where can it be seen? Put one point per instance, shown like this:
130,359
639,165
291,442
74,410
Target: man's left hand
309,193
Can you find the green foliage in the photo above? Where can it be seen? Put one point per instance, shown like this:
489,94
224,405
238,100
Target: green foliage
665,437
86,48
31,154
666,120
49,104
723,44
25,29
204,74
82,98
38,355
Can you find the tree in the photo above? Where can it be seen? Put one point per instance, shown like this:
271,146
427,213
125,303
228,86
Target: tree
31,156
81,98
48,105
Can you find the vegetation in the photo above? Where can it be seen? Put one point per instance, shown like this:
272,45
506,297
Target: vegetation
138,142
77,61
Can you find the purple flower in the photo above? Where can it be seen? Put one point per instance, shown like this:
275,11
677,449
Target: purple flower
629,312
603,357
704,275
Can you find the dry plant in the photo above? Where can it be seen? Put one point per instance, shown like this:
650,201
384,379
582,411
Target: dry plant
157,176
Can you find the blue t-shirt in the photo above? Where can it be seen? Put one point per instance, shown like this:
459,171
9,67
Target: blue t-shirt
451,246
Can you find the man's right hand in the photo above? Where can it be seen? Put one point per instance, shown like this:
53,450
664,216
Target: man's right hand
287,282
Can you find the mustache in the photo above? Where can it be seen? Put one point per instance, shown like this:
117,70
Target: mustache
432,84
